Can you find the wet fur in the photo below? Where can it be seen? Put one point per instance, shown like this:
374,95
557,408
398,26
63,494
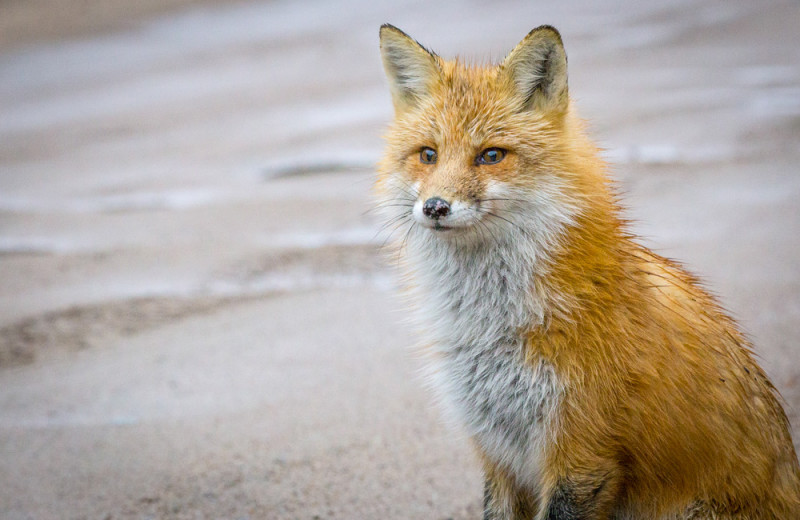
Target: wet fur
597,379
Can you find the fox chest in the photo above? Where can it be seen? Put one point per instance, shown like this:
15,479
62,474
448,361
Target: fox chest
475,304
506,404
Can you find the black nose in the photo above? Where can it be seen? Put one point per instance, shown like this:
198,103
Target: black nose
435,208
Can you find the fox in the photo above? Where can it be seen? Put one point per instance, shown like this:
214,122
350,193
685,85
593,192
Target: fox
594,378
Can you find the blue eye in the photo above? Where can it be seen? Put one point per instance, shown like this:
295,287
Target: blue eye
427,155
490,156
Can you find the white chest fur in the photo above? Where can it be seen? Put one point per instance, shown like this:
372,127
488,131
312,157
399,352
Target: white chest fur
504,403
478,306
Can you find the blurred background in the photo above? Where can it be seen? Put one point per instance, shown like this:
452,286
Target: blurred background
195,321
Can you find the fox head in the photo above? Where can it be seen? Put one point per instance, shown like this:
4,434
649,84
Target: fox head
481,154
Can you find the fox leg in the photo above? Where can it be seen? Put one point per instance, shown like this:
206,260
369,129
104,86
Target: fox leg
584,497
504,500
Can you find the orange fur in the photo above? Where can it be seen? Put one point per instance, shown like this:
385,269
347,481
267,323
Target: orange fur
662,410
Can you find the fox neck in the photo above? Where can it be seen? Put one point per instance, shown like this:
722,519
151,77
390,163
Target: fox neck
476,295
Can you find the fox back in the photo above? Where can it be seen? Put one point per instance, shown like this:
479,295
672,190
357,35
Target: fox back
596,379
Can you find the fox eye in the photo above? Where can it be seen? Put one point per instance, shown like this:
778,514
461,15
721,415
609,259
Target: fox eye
490,156
427,155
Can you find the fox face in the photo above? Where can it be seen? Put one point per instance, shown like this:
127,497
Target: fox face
476,154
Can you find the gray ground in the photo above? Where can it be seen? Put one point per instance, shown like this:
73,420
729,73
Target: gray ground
194,319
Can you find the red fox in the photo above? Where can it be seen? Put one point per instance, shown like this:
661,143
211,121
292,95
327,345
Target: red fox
596,379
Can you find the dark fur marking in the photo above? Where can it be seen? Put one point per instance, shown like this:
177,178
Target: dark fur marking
544,72
571,502
563,505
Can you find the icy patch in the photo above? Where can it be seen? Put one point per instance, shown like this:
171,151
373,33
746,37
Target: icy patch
134,95
765,75
167,200
643,154
305,281
135,201
776,102
38,245
296,240
313,240
305,118
660,154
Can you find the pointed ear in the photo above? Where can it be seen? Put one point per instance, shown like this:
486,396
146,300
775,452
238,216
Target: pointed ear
411,69
537,71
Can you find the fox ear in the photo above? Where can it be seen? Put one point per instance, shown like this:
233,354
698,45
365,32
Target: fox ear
411,68
537,71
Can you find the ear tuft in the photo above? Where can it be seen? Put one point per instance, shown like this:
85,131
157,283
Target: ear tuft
537,71
411,68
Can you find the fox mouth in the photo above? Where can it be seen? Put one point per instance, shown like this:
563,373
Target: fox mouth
438,227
